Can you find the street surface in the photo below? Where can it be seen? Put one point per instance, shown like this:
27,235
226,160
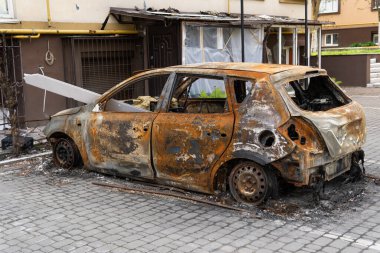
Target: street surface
43,212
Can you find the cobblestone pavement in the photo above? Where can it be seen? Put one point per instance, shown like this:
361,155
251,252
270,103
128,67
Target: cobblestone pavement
43,214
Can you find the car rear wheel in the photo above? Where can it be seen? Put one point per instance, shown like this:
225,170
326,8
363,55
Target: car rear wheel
249,183
65,153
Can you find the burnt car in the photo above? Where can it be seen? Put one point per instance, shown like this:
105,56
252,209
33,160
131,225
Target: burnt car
215,127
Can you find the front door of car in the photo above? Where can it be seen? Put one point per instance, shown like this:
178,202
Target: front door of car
190,136
118,139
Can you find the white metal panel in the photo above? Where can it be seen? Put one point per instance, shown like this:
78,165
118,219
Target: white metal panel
61,88
74,92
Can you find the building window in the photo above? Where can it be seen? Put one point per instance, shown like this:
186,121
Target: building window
375,38
329,6
331,39
6,9
220,44
375,4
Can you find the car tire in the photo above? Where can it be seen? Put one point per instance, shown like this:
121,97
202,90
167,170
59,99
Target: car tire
249,183
274,187
66,153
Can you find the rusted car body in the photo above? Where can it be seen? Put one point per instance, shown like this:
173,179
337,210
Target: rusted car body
275,121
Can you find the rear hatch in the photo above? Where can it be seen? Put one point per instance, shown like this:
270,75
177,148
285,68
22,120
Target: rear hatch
339,120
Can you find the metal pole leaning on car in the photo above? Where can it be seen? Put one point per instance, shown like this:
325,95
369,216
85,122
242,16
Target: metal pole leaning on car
242,29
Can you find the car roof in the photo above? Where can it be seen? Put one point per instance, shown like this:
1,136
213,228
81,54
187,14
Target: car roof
244,66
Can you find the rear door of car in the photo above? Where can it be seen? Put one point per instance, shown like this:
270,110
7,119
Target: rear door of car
186,141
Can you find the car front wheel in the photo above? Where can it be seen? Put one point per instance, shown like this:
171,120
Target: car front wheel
249,183
65,153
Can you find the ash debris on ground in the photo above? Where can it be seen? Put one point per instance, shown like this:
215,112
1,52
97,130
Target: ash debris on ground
44,166
293,204
36,149
339,197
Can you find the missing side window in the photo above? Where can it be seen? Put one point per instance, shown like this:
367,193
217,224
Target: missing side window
242,88
199,94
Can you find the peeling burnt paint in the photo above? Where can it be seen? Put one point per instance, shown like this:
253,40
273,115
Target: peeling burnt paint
197,150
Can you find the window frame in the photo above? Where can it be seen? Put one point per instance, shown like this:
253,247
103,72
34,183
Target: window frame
330,12
332,44
10,14
373,35
373,5
179,75
101,103
253,81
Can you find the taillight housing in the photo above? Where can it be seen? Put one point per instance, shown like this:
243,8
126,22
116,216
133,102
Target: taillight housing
303,134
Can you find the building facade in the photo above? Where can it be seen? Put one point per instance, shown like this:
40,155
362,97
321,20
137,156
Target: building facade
355,22
96,44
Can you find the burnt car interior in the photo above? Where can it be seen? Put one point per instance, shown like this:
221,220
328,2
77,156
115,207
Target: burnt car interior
142,94
191,94
199,94
317,93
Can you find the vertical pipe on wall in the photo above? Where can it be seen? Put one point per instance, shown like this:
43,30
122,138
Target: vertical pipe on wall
279,45
308,47
242,29
229,7
48,12
319,47
183,25
306,36
295,46
146,60
201,43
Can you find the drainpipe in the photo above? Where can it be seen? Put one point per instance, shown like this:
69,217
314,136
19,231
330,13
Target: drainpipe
376,4
242,29
48,12
306,37
229,7
37,36
35,32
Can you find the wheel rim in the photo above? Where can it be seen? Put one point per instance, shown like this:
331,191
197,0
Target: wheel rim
250,184
65,154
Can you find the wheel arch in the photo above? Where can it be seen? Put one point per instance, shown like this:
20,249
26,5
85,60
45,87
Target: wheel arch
58,134
219,179
53,137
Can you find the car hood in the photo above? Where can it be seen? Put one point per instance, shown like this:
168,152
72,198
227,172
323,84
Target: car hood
68,111
74,110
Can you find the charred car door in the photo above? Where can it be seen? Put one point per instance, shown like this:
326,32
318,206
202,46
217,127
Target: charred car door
192,131
118,139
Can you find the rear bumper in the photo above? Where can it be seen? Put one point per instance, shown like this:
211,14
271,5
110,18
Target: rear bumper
304,169
329,171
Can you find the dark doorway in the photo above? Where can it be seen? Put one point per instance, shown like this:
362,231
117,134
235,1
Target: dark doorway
163,49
